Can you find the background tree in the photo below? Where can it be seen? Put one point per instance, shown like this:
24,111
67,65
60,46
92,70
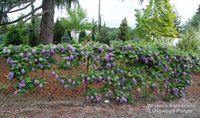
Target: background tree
156,20
177,22
123,33
82,36
58,31
103,35
17,34
47,21
33,31
194,21
76,19
190,40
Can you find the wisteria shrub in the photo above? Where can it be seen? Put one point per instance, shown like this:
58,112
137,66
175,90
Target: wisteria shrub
123,69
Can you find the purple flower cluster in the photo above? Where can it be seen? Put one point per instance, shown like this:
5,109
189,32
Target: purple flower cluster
144,59
26,55
110,49
66,83
71,48
97,58
100,49
6,50
122,99
52,50
153,86
134,81
22,84
109,93
99,79
9,61
36,82
11,76
23,71
174,91
127,48
94,98
108,57
165,68
33,51
62,49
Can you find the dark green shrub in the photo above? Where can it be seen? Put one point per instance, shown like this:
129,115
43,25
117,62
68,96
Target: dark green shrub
17,35
103,36
33,31
66,37
82,36
58,32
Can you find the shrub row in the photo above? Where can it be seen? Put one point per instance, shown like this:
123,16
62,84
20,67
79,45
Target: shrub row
123,68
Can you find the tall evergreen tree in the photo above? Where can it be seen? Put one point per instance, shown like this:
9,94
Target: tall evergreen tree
123,33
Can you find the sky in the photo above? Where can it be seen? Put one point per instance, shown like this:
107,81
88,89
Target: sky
113,11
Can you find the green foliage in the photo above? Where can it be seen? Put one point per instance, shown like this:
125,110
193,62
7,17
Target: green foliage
156,21
122,67
177,22
17,35
194,21
103,35
66,37
33,31
76,19
124,31
59,30
113,34
82,36
190,40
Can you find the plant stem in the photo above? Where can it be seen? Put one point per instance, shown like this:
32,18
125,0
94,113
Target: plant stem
166,93
87,70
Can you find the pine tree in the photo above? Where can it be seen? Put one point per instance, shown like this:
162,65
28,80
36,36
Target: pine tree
123,33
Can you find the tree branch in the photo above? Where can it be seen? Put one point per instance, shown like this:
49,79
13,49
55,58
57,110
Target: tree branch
36,15
11,6
22,17
22,8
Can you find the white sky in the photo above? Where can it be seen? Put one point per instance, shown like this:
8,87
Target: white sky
113,11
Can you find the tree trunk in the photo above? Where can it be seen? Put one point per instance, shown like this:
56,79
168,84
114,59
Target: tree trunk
47,22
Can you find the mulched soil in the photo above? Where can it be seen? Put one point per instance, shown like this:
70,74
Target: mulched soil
54,101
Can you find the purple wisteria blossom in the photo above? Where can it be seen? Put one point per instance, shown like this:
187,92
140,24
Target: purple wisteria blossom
10,76
100,49
23,71
166,68
129,47
9,61
108,65
62,49
134,81
174,91
110,49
